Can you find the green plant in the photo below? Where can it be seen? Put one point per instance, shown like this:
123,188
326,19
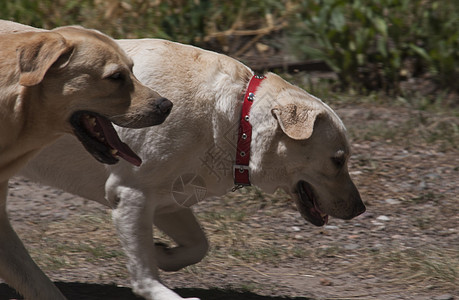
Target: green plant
48,13
372,44
376,44
269,254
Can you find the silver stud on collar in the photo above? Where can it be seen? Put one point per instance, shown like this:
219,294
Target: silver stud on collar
251,97
242,153
246,118
244,136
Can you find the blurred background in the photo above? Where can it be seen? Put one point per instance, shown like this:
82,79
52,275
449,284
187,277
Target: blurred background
400,47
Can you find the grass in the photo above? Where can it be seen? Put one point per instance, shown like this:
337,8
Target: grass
427,197
430,265
234,243
50,262
329,251
320,85
267,254
96,250
85,242
81,240
423,222
228,215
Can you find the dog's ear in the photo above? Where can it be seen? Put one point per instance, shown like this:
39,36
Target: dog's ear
38,53
296,121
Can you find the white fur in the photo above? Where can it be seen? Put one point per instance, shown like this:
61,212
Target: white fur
206,89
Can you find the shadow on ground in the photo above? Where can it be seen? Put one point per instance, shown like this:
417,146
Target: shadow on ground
86,291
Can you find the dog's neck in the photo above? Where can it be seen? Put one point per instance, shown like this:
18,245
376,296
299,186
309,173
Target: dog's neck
228,106
241,172
20,131
226,129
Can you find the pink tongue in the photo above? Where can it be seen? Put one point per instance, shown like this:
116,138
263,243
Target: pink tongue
114,141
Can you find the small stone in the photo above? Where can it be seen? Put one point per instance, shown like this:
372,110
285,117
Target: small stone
392,201
433,176
351,246
296,228
325,282
367,215
356,173
377,223
444,297
331,227
383,218
377,247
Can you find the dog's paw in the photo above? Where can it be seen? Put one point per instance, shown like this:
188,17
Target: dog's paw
162,249
161,245
152,289
172,259
167,259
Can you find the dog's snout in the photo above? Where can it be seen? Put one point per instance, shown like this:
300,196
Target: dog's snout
164,105
359,209
355,206
358,205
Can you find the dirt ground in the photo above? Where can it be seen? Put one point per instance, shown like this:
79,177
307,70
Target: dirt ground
406,246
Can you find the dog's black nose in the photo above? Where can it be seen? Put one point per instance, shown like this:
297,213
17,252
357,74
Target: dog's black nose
164,105
360,209
358,205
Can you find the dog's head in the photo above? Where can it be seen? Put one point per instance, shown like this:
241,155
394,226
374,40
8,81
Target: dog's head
306,149
86,81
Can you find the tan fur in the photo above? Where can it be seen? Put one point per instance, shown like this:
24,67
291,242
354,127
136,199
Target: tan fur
45,78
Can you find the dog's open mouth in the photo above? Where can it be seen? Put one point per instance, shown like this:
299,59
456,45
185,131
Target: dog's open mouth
307,205
100,139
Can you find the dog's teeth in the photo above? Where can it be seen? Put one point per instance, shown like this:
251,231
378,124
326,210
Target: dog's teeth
323,215
92,121
114,153
99,136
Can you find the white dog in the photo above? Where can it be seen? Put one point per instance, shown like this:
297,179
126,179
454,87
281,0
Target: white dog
296,143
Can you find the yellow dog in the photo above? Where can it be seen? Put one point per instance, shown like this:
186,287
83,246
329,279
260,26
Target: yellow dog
69,80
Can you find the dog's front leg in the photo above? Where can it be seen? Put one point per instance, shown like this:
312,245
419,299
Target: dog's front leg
133,221
182,226
16,266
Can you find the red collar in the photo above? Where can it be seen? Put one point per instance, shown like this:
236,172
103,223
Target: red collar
241,167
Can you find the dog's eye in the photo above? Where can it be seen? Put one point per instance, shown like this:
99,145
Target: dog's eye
115,76
338,161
